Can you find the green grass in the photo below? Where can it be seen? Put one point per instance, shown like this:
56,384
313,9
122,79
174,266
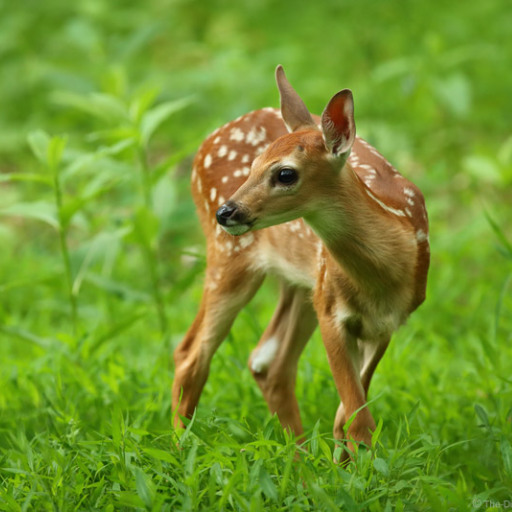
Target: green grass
102,257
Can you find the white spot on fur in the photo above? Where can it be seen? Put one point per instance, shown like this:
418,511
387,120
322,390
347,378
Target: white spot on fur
264,355
256,136
213,194
408,192
319,251
341,315
236,134
246,171
207,161
421,236
246,240
221,200
212,285
237,173
216,140
260,149
223,151
295,226
245,159
232,155
389,209
224,179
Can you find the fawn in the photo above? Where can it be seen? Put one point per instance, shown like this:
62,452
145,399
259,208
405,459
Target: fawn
287,193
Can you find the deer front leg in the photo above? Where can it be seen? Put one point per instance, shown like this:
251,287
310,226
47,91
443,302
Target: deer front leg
370,354
343,357
227,290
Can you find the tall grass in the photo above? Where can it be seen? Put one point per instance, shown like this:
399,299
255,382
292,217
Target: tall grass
102,257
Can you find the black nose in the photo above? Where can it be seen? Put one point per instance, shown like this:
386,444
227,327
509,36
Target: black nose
226,212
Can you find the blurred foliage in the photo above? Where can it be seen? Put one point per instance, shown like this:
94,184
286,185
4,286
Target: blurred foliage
102,107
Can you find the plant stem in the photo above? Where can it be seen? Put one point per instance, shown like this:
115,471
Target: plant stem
150,252
63,232
146,176
150,256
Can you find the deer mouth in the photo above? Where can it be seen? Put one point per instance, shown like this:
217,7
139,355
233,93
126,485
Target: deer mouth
237,229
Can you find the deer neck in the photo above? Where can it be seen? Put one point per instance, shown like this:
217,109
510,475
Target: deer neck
368,243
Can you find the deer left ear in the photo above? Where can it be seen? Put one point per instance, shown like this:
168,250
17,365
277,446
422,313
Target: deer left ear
293,110
338,124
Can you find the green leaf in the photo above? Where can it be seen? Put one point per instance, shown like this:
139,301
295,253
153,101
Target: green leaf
454,93
101,245
325,448
157,115
39,210
164,198
39,142
94,189
381,466
146,227
105,107
190,462
482,415
499,233
266,484
48,150
129,499
506,455
24,335
483,168
144,487
117,288
114,330
376,432
142,102
55,151
314,439
25,176
162,455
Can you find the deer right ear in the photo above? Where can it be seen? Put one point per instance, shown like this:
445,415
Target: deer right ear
338,124
293,110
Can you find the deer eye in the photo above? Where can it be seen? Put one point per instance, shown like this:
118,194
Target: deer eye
287,176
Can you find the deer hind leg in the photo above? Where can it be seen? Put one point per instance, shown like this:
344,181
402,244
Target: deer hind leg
228,288
273,362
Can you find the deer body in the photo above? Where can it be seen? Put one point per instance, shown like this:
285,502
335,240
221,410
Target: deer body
302,197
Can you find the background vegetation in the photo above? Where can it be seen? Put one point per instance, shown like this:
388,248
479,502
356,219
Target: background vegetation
103,105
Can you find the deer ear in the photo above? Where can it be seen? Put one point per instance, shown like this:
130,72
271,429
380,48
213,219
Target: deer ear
338,124
295,113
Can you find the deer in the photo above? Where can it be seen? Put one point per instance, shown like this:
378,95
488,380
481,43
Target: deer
302,197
